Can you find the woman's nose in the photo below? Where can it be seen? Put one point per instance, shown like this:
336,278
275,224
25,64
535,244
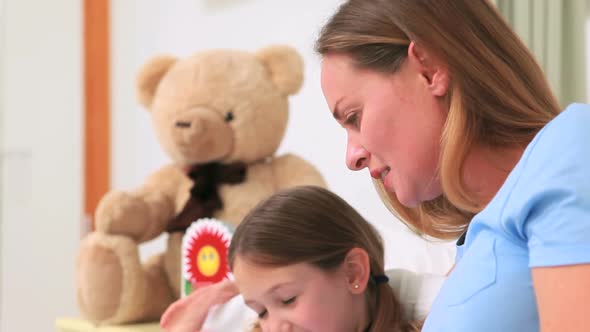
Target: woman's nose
357,157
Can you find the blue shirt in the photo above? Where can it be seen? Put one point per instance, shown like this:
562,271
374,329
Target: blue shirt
539,217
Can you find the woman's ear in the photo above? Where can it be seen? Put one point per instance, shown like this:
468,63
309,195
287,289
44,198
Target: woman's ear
357,268
435,74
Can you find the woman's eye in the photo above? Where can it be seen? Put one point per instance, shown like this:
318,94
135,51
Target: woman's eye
352,119
289,301
262,314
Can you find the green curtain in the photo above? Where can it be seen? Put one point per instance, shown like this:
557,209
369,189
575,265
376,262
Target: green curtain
555,32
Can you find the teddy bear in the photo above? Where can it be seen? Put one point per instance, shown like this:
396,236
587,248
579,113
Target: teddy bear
220,116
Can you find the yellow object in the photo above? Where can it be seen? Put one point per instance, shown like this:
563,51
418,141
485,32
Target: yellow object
79,325
208,261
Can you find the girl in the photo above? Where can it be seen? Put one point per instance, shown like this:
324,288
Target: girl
305,260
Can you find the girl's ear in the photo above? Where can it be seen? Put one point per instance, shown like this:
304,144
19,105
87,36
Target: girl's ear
357,268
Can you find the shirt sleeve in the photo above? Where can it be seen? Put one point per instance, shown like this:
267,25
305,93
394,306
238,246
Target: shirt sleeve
549,206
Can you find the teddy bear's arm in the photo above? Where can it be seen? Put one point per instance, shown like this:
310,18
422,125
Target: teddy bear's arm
291,170
142,214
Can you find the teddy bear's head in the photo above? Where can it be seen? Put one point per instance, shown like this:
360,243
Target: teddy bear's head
221,105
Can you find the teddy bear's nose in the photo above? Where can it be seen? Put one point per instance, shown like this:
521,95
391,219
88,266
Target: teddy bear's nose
183,124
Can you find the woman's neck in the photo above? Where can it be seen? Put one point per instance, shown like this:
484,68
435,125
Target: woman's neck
486,170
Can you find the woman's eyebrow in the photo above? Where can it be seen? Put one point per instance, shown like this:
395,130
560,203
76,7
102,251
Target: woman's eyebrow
336,112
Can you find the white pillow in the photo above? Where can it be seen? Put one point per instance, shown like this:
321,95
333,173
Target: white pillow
416,292
406,250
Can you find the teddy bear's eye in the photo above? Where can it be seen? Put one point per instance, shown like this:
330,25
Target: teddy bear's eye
229,116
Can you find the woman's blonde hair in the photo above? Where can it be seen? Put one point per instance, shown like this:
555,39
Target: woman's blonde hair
498,96
309,224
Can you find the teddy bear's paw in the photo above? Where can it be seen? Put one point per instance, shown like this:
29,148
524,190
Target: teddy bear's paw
114,287
99,275
108,271
122,213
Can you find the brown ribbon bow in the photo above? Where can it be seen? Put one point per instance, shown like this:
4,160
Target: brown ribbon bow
204,199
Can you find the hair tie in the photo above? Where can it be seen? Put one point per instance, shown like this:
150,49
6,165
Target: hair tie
380,279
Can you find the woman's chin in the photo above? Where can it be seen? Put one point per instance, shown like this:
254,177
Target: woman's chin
408,201
403,196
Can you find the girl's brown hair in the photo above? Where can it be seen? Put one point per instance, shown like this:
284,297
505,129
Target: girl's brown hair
498,95
312,225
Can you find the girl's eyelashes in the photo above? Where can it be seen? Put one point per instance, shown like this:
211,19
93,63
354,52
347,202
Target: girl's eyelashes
289,301
262,314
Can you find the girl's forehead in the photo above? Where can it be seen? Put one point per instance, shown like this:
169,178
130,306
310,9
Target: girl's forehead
247,267
256,281
257,277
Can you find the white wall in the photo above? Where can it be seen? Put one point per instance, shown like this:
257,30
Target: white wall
41,144
182,27
2,157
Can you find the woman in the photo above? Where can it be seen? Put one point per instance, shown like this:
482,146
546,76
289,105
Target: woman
453,117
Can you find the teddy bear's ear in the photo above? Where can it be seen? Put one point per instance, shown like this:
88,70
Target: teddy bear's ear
149,77
285,66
